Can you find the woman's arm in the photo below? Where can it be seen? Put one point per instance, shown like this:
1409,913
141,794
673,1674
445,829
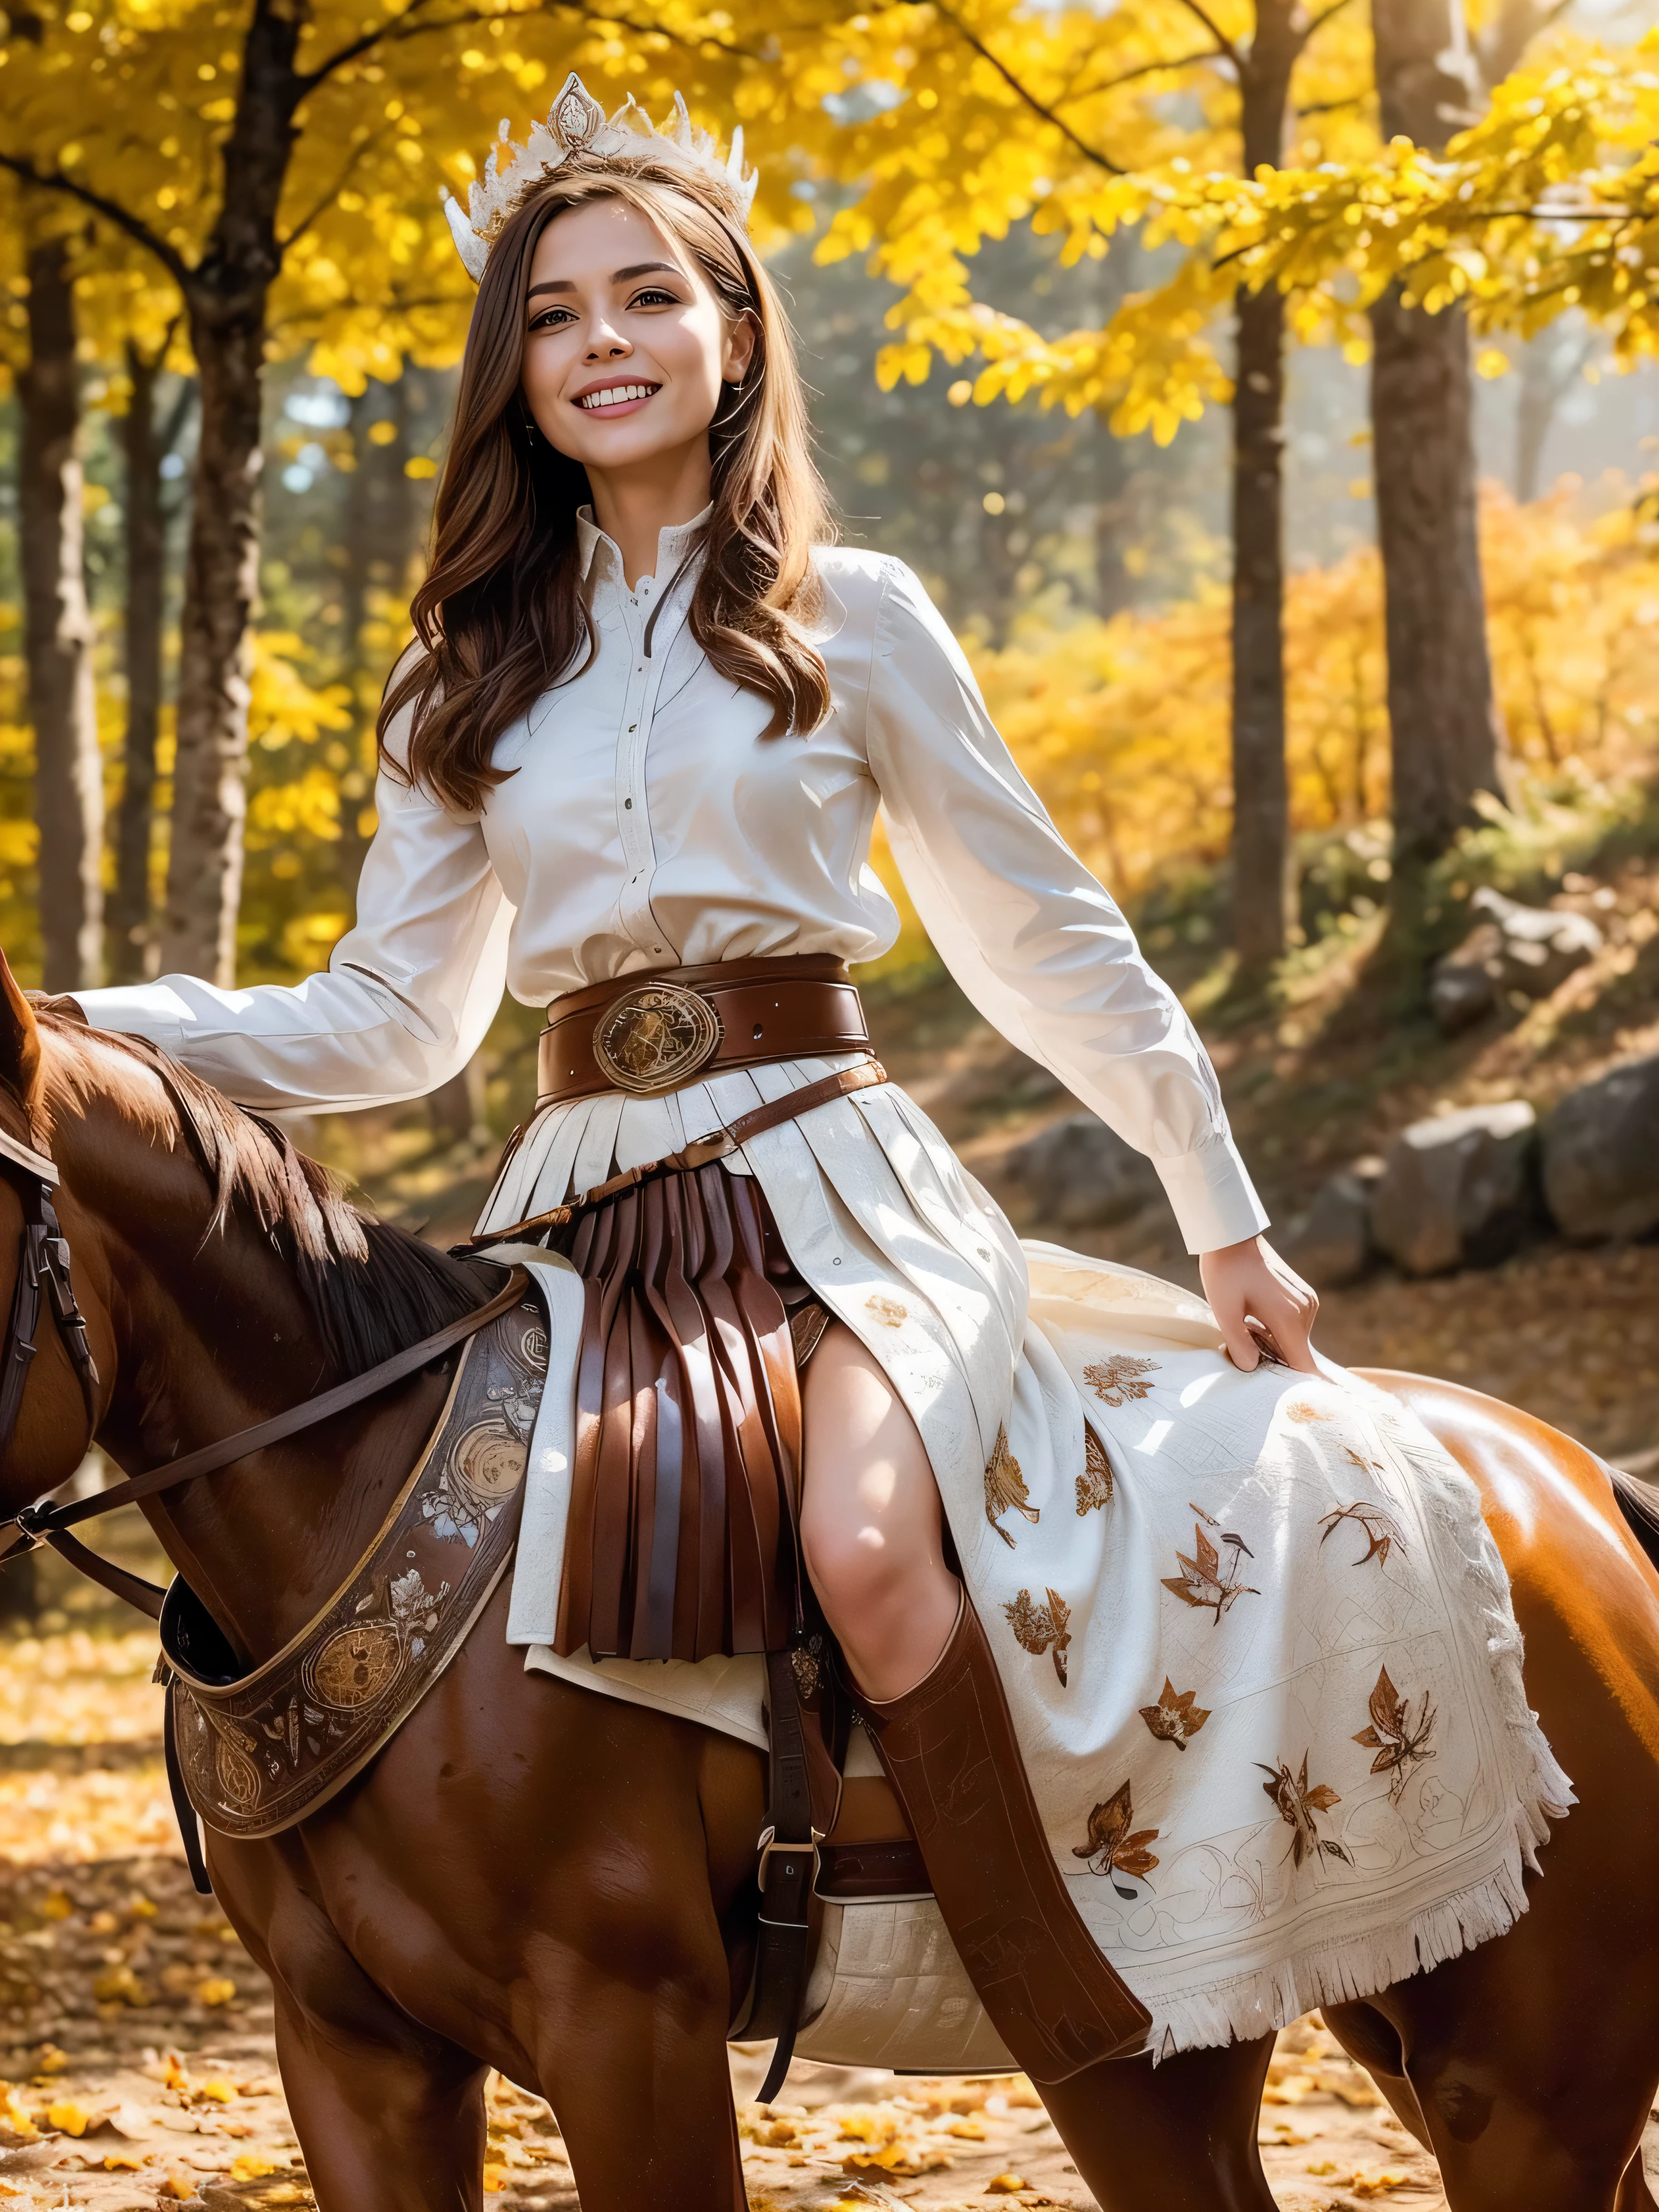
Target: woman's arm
1046,956
403,1005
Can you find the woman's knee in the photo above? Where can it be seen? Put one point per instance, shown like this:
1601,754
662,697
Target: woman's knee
855,1571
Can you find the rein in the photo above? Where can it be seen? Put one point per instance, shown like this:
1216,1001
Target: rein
44,1267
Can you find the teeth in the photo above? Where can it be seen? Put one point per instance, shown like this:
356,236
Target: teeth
615,395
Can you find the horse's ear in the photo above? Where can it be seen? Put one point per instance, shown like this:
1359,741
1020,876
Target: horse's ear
19,1038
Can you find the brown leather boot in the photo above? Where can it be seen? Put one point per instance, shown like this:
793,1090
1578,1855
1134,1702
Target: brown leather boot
950,1755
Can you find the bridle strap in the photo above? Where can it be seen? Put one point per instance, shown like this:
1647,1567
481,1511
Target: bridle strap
46,1521
43,1267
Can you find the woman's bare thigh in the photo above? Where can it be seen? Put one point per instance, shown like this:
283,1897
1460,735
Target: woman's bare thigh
872,1523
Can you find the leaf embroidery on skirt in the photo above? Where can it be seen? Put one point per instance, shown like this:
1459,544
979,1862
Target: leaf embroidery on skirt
1176,1718
1037,1627
1400,1739
1204,1581
1300,1410
1111,1847
1116,1380
1297,1805
1094,1485
1382,1532
1004,1488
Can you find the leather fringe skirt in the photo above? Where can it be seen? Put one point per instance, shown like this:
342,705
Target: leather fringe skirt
682,1533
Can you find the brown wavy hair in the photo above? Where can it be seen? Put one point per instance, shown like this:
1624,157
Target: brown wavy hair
501,616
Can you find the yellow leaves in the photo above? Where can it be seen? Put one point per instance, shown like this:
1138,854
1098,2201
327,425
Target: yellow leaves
283,707
120,1986
56,1907
68,2117
17,2122
1004,2185
251,2166
216,1990
218,2086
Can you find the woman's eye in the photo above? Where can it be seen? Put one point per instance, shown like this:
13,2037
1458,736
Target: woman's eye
655,300
550,318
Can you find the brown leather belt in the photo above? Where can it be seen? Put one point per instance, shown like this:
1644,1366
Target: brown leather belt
660,1030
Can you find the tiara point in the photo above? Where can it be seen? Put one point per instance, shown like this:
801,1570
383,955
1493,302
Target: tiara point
576,116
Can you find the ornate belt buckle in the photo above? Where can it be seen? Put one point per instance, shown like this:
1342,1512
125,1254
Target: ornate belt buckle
655,1037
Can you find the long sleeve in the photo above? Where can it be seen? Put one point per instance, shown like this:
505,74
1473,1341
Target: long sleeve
1033,940
403,1005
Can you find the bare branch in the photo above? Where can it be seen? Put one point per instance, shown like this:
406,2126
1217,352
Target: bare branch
1145,68
1089,153
372,138
400,28
355,47
1319,21
1331,106
54,181
1223,43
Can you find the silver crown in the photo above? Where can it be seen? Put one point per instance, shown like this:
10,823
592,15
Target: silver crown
576,124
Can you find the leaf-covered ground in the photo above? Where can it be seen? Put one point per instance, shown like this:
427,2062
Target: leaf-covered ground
135,2034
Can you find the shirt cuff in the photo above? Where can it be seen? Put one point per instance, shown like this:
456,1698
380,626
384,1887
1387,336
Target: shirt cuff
1213,1198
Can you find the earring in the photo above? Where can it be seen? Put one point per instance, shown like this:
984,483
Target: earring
528,426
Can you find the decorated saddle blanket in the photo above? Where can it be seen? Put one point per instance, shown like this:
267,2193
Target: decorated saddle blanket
1260,1654
258,1750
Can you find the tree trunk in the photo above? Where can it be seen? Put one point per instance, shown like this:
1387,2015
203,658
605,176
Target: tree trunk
1446,738
69,787
1263,882
146,581
227,301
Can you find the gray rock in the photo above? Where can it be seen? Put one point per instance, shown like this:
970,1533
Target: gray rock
1516,948
1333,1241
1083,1176
1602,1155
1457,1191
1463,989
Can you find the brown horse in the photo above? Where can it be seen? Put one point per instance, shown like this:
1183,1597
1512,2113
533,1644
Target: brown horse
533,1878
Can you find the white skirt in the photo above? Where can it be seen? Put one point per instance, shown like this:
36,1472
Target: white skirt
1257,1642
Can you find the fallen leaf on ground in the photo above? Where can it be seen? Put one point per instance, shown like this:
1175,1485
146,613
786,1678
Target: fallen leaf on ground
1004,2185
216,1990
250,2167
1378,2185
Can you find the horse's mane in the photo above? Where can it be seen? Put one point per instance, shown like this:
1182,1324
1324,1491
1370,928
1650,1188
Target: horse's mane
373,1289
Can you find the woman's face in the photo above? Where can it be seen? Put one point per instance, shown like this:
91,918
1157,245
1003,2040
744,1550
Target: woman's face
625,345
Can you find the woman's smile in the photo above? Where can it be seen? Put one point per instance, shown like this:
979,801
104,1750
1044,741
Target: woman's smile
616,397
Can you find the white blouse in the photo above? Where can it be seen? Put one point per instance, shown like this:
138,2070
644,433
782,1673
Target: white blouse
647,824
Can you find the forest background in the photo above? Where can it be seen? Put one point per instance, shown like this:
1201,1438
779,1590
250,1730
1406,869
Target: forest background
1118,321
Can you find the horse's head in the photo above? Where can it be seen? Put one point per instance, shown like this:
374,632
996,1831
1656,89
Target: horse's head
52,1428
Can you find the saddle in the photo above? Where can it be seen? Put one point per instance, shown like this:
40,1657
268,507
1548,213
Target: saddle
252,1751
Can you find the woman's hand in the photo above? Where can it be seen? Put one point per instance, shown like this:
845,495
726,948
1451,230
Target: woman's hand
1255,1295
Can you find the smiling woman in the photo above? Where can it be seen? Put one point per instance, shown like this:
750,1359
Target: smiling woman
627,349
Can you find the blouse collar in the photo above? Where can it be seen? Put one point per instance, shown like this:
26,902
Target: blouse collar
601,556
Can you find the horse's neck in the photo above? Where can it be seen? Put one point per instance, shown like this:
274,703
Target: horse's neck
214,1337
